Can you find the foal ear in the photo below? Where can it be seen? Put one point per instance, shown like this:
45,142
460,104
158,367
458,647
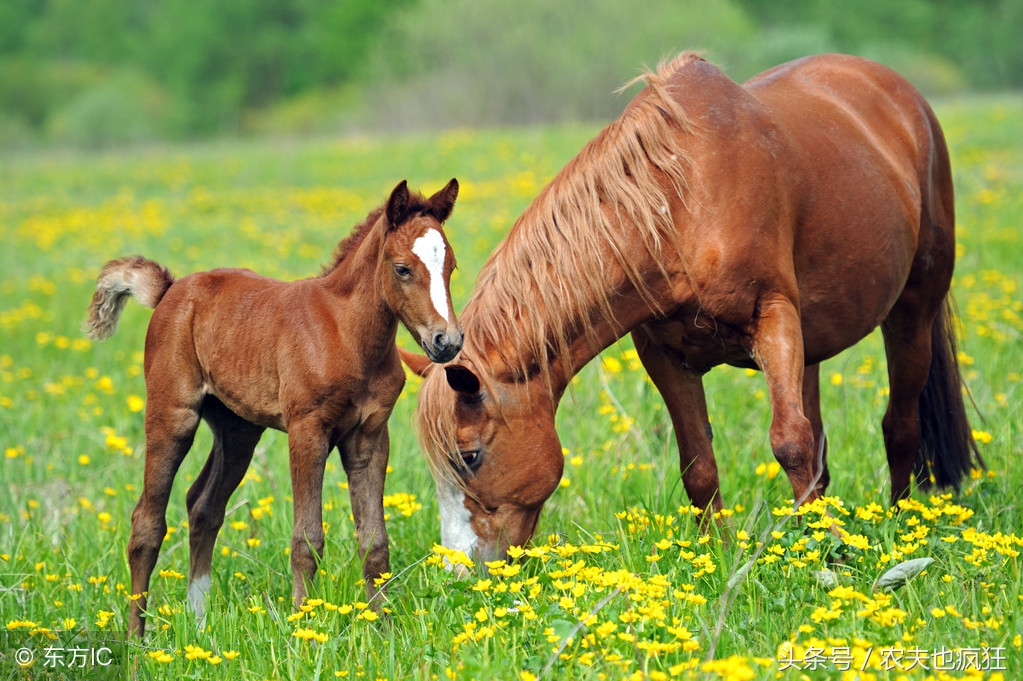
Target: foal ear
419,364
397,205
462,380
442,203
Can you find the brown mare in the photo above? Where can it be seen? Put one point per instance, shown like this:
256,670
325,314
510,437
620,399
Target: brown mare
770,225
315,358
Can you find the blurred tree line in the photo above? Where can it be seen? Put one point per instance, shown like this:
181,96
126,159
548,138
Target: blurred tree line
95,72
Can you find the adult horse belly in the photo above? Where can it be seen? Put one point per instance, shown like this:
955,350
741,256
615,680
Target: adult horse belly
843,303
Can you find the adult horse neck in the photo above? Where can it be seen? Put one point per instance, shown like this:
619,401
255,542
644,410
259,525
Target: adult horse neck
769,225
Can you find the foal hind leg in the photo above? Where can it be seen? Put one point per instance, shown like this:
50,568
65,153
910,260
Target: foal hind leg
907,342
682,392
234,440
170,429
778,351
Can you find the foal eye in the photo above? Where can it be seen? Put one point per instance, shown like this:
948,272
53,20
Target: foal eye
402,271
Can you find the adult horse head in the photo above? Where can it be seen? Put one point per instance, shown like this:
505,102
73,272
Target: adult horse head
769,226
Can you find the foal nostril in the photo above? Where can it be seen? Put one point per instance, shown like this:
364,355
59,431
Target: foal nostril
443,346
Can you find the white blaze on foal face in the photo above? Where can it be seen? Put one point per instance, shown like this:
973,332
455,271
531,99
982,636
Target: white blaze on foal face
430,248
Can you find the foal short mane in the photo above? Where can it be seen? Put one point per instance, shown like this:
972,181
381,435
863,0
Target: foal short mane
416,205
538,290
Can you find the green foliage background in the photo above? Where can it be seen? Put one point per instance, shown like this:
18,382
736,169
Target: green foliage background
101,72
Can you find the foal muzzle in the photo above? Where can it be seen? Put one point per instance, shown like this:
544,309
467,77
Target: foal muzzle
443,345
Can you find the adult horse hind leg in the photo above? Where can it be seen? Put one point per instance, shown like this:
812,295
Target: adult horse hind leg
925,426
170,429
234,440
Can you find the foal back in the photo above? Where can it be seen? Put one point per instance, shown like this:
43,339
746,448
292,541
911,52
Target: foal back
262,346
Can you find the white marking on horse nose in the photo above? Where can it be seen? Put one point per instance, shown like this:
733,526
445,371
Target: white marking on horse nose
431,250
455,528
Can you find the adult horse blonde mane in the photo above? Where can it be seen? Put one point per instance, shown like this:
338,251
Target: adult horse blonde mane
629,173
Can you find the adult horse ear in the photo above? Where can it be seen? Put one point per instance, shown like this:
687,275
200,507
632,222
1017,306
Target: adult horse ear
462,380
442,203
419,364
397,205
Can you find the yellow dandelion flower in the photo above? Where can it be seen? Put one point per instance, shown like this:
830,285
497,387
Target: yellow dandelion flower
982,436
612,365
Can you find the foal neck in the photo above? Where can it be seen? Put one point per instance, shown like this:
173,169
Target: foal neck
356,275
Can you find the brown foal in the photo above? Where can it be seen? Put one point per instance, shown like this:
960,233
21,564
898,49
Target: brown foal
315,358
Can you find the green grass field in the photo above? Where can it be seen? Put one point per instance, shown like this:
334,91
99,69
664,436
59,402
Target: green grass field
618,583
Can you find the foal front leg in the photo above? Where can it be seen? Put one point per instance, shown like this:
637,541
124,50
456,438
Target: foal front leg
308,446
364,457
778,351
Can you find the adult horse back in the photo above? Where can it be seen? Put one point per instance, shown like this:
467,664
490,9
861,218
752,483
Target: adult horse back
769,225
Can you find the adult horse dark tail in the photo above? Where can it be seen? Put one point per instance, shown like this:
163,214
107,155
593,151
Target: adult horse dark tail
948,451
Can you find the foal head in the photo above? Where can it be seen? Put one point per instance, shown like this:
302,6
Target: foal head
415,268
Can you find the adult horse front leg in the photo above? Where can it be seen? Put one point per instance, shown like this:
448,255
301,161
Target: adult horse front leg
778,351
812,410
308,445
234,440
682,391
364,457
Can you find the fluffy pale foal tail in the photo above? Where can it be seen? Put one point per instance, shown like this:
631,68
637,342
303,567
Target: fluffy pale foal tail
134,276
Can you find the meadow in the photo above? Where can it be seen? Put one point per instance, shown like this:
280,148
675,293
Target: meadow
618,583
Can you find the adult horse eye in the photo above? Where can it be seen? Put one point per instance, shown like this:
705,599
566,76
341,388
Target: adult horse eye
402,271
471,458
